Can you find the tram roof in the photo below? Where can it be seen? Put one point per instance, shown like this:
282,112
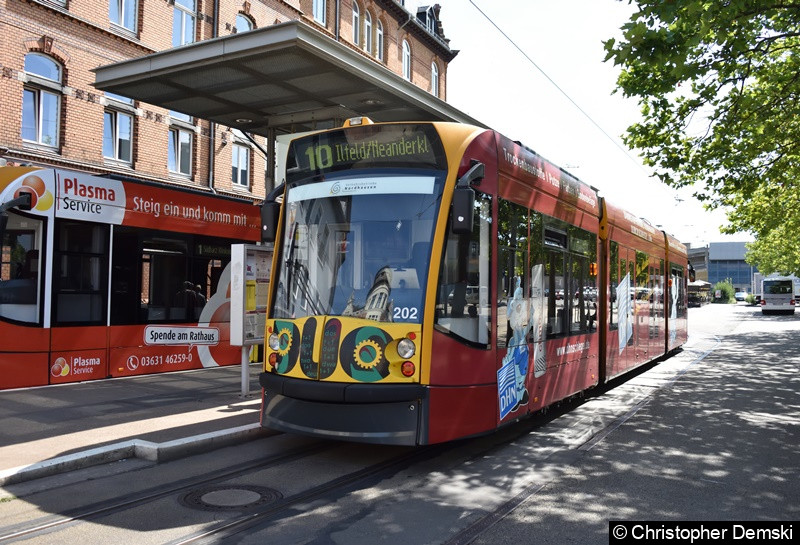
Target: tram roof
287,77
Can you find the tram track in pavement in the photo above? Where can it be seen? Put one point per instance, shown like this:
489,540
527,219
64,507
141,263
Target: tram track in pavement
253,519
478,448
342,485
707,345
98,510
236,520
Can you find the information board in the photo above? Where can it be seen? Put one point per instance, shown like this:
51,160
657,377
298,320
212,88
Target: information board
250,274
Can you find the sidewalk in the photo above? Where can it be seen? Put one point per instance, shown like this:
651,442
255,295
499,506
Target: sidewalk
52,429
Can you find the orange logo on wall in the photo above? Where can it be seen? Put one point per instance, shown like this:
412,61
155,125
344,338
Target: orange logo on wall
60,368
41,198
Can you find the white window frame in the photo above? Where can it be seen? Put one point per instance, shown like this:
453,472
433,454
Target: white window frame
368,32
240,165
430,21
127,14
181,125
243,23
118,148
356,24
434,80
379,40
44,89
319,11
184,13
406,60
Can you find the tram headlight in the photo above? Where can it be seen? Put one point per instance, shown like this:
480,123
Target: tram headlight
274,341
406,348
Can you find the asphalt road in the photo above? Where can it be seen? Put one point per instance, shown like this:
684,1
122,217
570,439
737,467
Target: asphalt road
720,443
709,434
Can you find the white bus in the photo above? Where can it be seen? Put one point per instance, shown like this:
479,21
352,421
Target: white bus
777,295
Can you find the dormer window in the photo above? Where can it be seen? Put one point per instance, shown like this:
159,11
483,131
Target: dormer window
426,15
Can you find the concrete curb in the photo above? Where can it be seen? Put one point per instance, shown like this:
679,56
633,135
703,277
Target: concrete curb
135,448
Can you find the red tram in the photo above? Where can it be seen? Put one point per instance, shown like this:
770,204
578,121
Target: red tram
103,277
433,281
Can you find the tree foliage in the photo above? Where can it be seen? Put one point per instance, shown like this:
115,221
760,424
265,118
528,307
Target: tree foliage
718,83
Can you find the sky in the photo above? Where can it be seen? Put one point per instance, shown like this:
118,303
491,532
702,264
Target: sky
565,109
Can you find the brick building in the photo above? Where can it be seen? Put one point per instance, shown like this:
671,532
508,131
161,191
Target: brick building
52,115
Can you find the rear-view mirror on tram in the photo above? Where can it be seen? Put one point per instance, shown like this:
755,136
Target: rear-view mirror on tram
464,200
270,212
23,201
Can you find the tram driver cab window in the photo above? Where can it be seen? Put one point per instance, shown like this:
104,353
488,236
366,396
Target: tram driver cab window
463,307
20,274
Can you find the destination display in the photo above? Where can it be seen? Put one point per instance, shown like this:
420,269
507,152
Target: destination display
397,146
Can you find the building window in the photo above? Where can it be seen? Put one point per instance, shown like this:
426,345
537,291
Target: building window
183,22
379,41
368,32
430,20
123,13
240,160
356,24
41,100
118,128
243,24
406,60
319,10
181,132
434,79
241,166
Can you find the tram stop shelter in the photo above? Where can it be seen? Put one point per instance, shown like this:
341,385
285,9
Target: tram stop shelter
280,79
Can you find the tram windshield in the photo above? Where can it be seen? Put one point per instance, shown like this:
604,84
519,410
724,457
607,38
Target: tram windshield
358,246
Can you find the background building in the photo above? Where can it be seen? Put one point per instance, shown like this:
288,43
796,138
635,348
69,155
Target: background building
721,261
53,116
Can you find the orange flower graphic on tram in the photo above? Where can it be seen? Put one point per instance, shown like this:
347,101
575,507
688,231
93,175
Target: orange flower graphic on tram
41,198
60,368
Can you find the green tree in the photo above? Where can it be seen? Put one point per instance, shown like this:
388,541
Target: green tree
719,88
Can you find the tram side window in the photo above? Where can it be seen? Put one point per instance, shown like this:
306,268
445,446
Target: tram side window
163,278
80,273
658,289
583,280
20,274
642,279
625,284
538,287
581,310
125,301
613,281
463,308
512,278
677,287
570,279
555,243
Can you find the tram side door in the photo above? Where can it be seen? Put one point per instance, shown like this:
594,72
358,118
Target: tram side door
513,322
